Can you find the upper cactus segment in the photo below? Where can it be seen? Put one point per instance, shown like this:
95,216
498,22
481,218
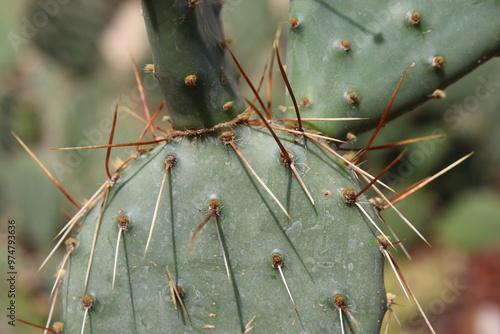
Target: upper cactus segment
346,57
189,62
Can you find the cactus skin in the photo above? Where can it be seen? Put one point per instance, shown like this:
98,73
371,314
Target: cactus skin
73,27
185,42
328,249
383,42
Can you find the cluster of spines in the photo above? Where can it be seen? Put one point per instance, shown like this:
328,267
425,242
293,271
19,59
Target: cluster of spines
277,262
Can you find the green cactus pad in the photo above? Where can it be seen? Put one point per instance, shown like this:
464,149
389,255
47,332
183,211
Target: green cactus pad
189,62
384,38
232,274
72,30
327,249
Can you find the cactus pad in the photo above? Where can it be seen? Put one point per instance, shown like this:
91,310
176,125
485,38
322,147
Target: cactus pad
326,249
443,40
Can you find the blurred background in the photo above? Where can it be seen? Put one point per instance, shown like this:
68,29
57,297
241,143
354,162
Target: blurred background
65,64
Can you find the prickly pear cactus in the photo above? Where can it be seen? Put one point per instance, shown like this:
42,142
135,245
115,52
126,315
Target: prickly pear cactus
223,226
345,57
